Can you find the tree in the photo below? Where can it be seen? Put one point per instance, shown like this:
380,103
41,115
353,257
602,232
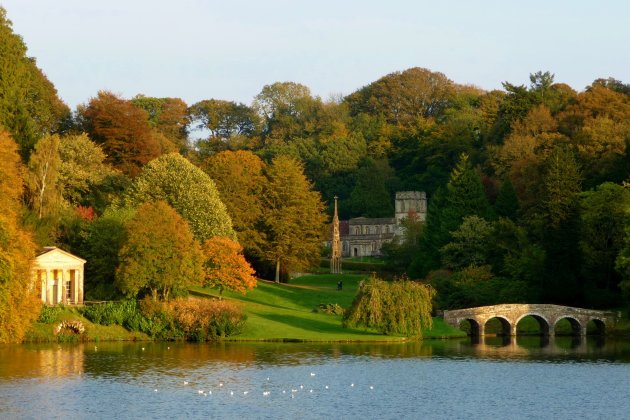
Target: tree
604,220
225,266
29,105
469,246
123,131
81,169
188,190
19,305
224,119
160,253
404,97
507,204
169,116
294,217
464,196
240,180
558,227
370,196
397,307
43,177
288,111
101,242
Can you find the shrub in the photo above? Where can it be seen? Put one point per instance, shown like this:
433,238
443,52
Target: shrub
202,319
109,313
49,314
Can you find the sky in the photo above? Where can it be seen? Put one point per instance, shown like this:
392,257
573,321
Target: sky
231,49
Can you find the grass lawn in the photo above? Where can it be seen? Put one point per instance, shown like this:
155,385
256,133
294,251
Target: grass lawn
285,311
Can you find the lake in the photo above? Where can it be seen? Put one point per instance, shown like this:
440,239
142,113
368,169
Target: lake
564,378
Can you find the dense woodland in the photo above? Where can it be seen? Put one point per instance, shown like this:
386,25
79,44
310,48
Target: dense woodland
528,188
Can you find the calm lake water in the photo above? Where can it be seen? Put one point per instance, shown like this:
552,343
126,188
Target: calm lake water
526,378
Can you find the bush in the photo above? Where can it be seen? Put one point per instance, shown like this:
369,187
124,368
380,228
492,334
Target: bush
180,319
49,314
119,313
203,320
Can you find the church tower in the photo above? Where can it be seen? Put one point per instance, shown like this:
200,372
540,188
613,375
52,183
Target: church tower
335,257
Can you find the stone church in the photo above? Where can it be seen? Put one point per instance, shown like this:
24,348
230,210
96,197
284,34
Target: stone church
364,237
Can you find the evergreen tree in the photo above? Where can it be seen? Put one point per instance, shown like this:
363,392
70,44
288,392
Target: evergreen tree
560,227
464,196
507,204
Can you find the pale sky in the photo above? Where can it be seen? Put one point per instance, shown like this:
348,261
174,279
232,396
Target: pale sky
201,49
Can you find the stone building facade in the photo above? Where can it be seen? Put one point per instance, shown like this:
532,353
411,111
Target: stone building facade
364,237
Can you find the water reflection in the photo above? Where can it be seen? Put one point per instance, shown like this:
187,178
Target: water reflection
134,359
41,361
257,380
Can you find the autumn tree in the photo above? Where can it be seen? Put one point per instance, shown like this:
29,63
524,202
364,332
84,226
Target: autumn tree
240,179
225,266
124,132
294,218
188,190
19,304
160,254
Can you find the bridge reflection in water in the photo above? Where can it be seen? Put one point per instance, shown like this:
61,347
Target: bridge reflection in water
548,316
508,346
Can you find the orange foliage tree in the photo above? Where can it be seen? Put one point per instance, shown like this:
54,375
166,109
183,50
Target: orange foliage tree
124,132
19,305
225,266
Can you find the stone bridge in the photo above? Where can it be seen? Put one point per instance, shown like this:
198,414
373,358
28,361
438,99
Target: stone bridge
546,315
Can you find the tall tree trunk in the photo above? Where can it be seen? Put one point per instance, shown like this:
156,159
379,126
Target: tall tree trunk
278,270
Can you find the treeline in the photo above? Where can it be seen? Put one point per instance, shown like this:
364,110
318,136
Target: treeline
527,200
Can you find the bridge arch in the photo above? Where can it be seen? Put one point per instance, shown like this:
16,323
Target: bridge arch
543,323
576,325
600,325
475,326
506,325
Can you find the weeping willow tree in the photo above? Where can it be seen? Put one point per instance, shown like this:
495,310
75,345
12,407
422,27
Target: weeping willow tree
398,307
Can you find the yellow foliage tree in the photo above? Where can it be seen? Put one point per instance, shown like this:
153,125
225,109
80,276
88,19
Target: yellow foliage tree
19,305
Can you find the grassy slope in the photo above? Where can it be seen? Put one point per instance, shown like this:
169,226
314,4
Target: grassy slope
285,311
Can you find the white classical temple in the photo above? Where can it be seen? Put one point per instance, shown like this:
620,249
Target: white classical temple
59,276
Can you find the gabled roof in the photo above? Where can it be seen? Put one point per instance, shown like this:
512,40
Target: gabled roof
48,249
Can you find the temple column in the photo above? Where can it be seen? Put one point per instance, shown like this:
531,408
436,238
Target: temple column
59,286
79,278
75,286
41,277
49,287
